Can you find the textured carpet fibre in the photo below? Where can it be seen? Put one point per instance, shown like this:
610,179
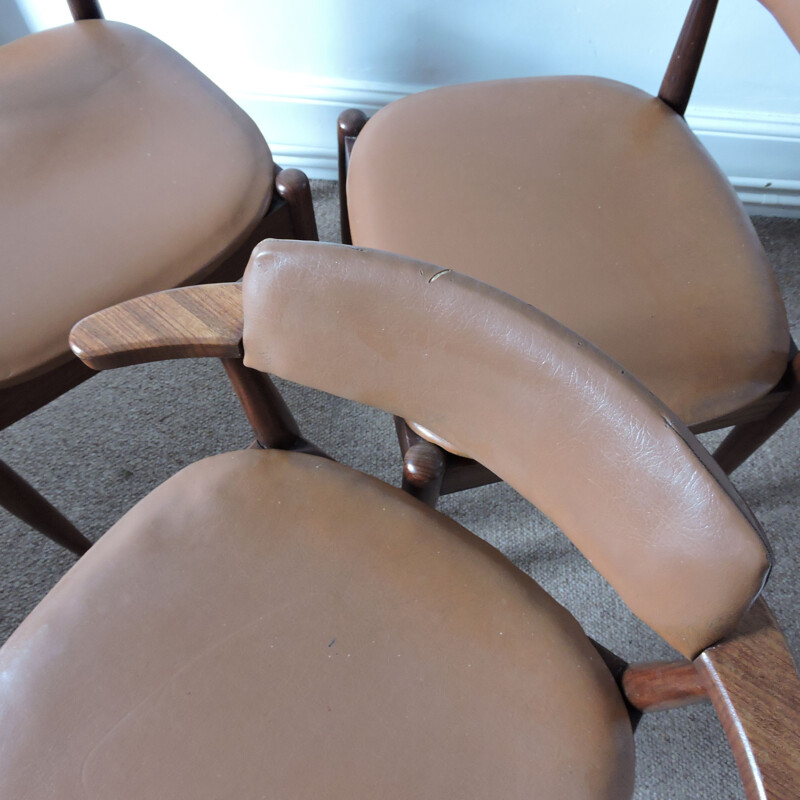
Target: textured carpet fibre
95,451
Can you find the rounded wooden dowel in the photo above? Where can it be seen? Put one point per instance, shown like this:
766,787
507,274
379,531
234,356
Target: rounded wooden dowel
423,471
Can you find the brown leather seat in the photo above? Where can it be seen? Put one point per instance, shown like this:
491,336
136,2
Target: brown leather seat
125,171
270,624
606,213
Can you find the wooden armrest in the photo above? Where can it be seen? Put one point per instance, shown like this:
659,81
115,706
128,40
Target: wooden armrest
192,322
753,683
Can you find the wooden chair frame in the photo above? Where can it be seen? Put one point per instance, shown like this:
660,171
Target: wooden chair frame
750,677
289,216
428,470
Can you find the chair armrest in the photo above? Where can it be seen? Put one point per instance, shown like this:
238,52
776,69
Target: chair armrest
191,322
753,683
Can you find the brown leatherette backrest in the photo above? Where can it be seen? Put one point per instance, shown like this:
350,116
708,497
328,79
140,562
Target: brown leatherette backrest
528,398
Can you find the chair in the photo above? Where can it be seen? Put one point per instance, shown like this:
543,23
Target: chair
271,623
125,171
594,202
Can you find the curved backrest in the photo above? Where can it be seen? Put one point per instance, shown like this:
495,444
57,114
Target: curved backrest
525,396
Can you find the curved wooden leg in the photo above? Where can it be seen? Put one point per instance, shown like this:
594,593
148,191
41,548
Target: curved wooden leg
23,501
423,471
293,186
745,439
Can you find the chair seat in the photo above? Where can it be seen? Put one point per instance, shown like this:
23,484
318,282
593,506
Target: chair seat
268,624
594,202
100,104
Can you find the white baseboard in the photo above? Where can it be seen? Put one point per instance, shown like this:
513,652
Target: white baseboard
299,122
759,152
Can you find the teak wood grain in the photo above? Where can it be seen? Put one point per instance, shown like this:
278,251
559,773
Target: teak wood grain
190,322
753,683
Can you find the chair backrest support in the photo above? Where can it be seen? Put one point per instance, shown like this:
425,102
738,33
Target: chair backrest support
85,9
543,409
676,87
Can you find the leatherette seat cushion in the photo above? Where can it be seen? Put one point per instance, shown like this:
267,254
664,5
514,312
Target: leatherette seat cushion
125,170
268,624
594,202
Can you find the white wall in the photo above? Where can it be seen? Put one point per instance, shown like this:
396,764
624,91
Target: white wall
295,66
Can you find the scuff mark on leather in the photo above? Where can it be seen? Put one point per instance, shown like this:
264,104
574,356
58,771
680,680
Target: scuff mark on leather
438,275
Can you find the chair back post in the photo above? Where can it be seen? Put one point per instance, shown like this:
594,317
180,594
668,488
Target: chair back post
348,126
85,9
676,88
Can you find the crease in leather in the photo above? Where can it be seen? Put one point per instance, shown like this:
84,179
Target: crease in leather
539,406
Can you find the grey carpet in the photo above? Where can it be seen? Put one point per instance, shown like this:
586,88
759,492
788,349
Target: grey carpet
97,450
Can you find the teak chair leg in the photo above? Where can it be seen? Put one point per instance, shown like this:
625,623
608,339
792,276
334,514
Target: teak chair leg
24,502
746,438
